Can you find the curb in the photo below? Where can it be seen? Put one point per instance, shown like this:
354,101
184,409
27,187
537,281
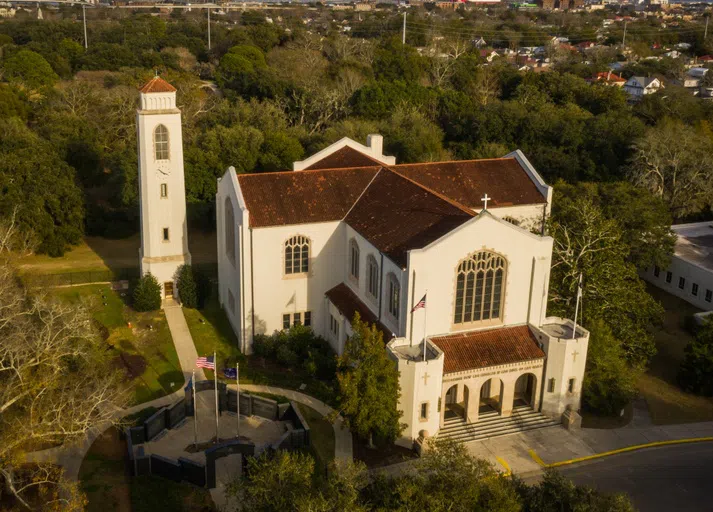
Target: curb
654,444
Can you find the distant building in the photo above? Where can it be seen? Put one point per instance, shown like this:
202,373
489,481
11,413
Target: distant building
640,86
607,78
690,274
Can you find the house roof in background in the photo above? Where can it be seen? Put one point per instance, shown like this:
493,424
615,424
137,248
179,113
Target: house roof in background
480,349
157,84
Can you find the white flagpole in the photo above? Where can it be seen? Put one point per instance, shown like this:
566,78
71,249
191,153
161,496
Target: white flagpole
237,381
215,375
576,307
195,413
425,297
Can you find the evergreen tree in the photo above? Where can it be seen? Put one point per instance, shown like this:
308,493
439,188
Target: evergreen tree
696,371
369,385
187,286
147,294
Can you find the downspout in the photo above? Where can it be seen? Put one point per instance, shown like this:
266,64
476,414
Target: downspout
252,285
544,219
381,283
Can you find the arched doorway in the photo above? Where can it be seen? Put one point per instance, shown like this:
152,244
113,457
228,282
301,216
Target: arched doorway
456,408
491,396
525,389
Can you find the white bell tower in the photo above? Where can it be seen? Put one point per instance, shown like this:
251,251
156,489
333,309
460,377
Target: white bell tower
164,234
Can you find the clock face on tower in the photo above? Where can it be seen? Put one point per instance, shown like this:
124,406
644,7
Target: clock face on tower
163,170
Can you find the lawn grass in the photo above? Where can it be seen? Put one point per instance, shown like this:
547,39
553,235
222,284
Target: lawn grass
145,350
104,480
321,437
215,334
669,404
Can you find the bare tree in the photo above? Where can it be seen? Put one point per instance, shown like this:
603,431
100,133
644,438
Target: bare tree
673,161
56,384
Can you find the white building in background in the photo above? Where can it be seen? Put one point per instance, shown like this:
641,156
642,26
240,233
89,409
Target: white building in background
640,86
349,230
690,274
164,235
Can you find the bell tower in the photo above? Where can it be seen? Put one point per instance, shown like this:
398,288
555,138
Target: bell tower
164,234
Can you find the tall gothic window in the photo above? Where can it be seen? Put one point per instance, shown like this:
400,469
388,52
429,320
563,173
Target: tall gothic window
160,142
354,259
297,255
372,276
229,230
479,288
394,299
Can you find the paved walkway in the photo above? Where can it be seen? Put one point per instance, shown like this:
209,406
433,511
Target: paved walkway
182,340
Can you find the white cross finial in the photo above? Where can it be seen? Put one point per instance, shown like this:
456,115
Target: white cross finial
485,200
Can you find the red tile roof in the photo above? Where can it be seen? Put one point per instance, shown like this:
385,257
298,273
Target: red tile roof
492,347
157,84
347,302
396,215
467,181
344,157
300,197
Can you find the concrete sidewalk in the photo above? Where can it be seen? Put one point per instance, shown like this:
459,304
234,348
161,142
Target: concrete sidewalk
182,339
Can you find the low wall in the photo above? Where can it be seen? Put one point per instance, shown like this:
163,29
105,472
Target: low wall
203,475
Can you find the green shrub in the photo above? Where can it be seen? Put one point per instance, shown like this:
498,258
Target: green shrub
147,294
187,286
696,371
298,344
285,356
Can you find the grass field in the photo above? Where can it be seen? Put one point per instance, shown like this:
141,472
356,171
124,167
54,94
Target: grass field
668,404
103,478
102,254
145,350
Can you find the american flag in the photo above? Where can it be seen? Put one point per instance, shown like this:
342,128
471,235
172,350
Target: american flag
420,304
206,362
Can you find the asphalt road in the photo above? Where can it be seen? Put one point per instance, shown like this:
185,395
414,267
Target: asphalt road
670,478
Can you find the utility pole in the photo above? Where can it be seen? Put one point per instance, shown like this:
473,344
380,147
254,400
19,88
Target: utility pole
623,41
84,17
209,29
705,33
403,38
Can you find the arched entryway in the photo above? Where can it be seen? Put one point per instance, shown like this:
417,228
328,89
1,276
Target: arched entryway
525,391
456,406
491,396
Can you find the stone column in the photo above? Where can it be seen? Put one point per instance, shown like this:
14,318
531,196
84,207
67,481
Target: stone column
473,401
507,398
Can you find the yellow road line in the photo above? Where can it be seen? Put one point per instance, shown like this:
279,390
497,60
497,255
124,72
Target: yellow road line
619,450
537,458
504,464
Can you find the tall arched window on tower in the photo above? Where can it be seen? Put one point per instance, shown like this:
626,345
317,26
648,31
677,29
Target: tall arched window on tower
354,260
297,255
480,283
372,277
229,231
394,298
160,142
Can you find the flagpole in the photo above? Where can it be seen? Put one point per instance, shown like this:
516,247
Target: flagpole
424,324
237,381
576,306
215,375
195,413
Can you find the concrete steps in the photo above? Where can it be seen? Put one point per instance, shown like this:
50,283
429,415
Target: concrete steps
490,424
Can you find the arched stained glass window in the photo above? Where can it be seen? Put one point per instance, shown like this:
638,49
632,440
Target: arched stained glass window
480,283
297,255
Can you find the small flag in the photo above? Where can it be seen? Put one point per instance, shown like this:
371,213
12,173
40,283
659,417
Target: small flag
420,304
230,373
206,362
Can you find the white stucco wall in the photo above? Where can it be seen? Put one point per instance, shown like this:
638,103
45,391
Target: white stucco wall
434,269
160,257
692,273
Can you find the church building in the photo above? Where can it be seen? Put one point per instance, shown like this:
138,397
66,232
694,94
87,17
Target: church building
450,260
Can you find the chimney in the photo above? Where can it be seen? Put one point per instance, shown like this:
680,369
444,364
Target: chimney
376,143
